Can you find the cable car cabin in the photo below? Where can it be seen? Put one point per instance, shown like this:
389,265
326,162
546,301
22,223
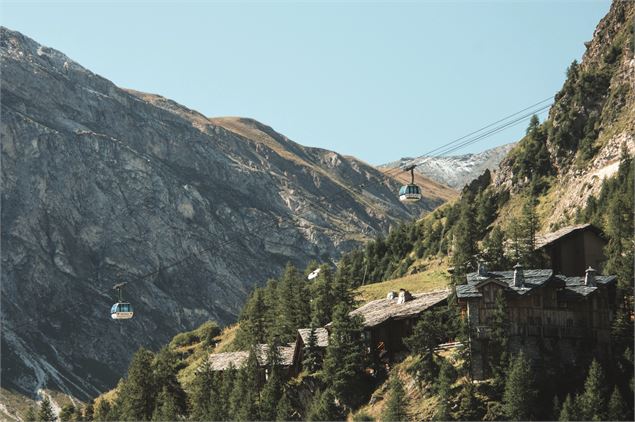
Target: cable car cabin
409,193
121,310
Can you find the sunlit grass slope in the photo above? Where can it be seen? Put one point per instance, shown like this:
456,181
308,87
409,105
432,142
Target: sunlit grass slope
433,278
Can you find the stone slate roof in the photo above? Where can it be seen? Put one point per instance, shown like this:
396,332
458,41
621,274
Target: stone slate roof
378,311
223,361
532,279
575,288
548,238
321,333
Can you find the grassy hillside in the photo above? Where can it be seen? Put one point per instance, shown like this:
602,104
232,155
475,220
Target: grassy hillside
435,277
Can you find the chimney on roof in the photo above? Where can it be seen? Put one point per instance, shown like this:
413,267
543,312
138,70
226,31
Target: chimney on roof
404,296
519,277
482,268
589,278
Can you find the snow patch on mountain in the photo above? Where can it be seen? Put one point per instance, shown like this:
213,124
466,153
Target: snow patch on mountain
455,171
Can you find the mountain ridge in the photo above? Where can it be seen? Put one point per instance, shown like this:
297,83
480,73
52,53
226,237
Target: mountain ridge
455,171
102,184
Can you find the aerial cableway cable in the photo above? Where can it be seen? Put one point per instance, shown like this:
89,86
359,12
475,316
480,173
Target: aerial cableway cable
447,148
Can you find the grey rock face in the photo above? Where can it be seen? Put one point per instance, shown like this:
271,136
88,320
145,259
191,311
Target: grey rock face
102,185
457,171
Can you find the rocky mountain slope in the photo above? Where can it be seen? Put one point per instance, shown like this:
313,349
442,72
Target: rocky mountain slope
591,121
103,185
456,170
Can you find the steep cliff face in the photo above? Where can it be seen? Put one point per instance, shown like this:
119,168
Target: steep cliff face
102,185
592,119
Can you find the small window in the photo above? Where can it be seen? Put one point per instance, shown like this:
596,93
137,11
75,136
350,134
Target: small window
537,300
538,321
569,323
530,320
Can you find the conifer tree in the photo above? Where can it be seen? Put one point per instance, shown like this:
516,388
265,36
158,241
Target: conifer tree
397,404
486,209
46,413
226,382
253,320
444,391
569,410
312,359
429,332
498,356
555,408
166,409
519,395
31,414
271,300
165,367
322,297
343,292
469,406
617,407
217,409
67,413
494,251
345,358
200,402
138,394
465,236
293,307
324,408
272,390
284,410
244,396
593,399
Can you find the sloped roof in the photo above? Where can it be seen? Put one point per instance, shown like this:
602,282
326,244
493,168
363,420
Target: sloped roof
574,286
378,311
548,238
223,361
532,279
321,333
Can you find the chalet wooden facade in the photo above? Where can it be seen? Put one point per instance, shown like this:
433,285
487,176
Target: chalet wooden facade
573,249
569,315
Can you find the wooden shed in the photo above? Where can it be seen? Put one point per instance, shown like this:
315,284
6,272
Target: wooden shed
236,360
573,249
302,340
388,321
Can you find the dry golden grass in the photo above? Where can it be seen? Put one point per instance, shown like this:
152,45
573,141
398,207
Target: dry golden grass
431,279
226,338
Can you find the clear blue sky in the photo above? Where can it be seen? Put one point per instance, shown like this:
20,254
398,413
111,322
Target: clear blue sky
375,80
